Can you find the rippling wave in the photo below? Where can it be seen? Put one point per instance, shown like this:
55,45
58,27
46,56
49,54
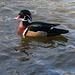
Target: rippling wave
37,56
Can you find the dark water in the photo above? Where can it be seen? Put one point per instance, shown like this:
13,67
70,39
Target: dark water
37,56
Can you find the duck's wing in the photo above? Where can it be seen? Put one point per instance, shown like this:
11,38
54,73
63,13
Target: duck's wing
41,26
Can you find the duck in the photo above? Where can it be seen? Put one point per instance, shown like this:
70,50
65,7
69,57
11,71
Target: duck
36,29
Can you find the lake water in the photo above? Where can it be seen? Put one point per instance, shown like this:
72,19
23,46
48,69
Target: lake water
37,56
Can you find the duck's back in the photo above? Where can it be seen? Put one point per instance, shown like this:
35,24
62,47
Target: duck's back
41,26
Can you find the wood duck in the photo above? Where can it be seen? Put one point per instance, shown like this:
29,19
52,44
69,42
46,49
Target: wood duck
36,29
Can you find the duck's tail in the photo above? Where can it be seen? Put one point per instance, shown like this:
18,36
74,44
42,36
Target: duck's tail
55,31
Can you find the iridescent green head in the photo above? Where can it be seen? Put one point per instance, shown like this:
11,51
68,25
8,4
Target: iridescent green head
25,15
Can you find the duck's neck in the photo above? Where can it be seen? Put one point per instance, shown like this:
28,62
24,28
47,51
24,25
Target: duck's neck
25,23
22,26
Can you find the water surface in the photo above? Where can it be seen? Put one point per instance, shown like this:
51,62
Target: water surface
37,56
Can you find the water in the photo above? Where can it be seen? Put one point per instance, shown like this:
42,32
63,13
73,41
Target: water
37,56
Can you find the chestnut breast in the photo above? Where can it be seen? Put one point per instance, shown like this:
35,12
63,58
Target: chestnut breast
21,27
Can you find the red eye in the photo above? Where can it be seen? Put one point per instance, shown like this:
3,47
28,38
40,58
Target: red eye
22,14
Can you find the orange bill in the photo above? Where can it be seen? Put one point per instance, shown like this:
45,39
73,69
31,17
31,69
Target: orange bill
17,17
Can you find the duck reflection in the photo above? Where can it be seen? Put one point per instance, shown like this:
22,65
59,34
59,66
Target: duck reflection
44,40
30,45
29,42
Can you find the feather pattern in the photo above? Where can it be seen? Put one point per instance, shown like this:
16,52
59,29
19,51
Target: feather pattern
36,29
41,26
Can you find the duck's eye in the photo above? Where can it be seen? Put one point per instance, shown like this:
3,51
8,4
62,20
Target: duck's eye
22,14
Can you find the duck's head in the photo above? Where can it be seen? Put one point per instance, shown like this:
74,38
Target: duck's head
25,15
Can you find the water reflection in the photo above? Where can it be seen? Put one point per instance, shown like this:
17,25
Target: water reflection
45,40
30,43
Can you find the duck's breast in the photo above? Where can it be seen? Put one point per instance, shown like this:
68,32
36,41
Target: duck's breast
21,27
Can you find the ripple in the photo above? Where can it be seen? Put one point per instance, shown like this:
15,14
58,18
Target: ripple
5,18
2,4
42,56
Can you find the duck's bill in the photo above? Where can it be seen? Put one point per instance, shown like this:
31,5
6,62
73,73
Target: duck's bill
17,17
